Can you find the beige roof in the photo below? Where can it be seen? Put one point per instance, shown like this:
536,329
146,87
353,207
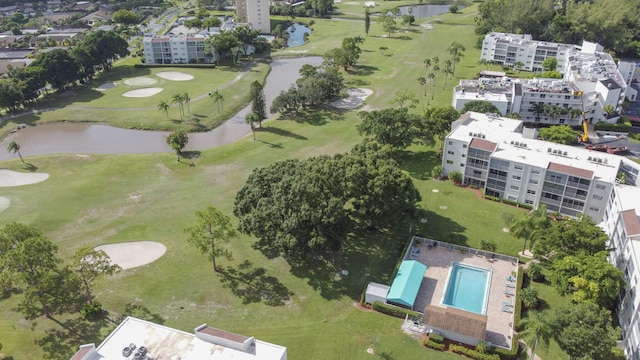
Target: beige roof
455,320
631,223
570,170
478,143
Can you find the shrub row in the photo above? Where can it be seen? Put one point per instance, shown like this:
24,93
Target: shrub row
436,338
201,66
459,349
509,202
393,311
432,345
603,126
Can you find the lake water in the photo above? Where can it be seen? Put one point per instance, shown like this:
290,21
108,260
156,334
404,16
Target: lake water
296,34
82,138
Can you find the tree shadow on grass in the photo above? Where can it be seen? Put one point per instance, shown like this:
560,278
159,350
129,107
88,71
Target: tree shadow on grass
357,82
254,285
362,70
63,342
141,312
319,116
29,167
280,132
430,225
419,163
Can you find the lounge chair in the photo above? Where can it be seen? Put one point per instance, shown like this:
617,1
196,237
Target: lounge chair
508,292
510,285
507,310
510,278
507,304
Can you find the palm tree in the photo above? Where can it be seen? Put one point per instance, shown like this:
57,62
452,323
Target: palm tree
164,107
448,69
432,77
538,109
251,119
427,65
186,99
177,99
537,328
14,147
573,113
218,98
455,50
423,82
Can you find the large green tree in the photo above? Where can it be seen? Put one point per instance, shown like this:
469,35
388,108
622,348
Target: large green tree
480,106
436,123
89,264
537,328
571,237
584,331
395,127
178,140
211,230
258,102
125,17
561,134
58,68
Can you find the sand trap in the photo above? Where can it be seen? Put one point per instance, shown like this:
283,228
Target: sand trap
4,203
140,93
14,178
443,207
133,254
435,190
106,86
505,230
355,99
174,76
140,81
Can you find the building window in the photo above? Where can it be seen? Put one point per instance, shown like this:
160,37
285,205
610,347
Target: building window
597,197
463,155
450,152
514,187
517,177
600,187
461,164
450,142
535,171
449,162
532,181
518,167
532,192
464,146
594,209
530,202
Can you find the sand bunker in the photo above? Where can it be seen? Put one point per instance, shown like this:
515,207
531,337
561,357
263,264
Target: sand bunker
4,203
355,99
140,81
133,254
14,178
140,93
106,86
174,76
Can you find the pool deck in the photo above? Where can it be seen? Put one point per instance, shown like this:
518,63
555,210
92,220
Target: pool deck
438,260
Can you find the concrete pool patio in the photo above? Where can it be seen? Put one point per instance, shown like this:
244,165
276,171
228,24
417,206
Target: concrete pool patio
438,259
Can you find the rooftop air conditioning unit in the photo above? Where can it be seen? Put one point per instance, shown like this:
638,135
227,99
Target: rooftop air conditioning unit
564,153
606,161
549,150
555,151
511,142
599,161
589,158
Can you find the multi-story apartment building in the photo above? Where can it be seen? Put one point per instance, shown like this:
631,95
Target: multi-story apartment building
255,13
178,49
509,49
493,153
591,83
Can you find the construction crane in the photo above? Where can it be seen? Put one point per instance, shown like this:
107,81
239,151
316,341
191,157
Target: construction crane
584,137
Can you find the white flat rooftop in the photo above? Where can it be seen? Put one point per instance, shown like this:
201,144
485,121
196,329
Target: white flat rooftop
166,343
513,146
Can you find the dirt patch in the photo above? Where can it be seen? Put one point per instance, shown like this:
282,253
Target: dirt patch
13,178
140,93
106,86
140,81
174,76
356,97
133,254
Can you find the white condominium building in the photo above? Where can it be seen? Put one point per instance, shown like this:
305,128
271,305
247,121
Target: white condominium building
256,13
591,83
178,49
509,49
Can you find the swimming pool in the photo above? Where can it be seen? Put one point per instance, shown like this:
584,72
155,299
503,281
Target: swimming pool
467,288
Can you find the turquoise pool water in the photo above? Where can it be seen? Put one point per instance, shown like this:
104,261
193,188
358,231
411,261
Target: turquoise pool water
467,288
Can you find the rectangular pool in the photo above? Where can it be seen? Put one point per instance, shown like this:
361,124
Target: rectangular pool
467,288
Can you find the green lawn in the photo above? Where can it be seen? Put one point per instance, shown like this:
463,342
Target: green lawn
92,200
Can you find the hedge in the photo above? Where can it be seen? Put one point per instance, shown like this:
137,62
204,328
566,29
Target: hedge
515,347
436,338
603,126
459,349
432,345
393,311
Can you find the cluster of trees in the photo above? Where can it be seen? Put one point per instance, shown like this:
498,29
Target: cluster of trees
310,8
398,128
345,56
300,208
316,85
61,68
49,285
611,23
574,251
181,100
234,43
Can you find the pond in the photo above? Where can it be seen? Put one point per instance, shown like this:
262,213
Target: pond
296,34
425,11
85,138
